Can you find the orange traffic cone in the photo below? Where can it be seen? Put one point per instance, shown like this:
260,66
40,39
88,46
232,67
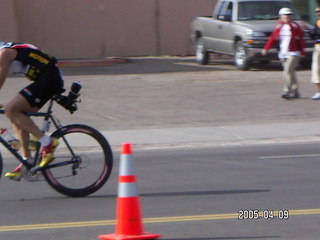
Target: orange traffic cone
128,216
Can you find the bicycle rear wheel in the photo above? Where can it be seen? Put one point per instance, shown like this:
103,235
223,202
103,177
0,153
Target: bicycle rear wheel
91,158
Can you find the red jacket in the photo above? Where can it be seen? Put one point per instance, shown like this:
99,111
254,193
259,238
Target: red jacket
297,40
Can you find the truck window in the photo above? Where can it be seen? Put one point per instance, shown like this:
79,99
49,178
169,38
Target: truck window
229,11
225,13
263,10
218,10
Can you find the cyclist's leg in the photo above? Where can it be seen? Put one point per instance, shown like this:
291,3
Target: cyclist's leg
24,138
32,98
15,110
24,125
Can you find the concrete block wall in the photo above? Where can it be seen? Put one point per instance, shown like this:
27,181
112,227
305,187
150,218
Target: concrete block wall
75,29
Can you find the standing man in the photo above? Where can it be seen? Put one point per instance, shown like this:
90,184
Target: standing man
315,73
289,35
47,81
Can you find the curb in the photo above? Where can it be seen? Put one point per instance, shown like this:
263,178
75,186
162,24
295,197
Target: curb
91,62
210,136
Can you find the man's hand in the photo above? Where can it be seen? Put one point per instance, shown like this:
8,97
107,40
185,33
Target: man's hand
264,52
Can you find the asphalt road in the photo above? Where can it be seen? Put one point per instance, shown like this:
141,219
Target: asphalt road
185,194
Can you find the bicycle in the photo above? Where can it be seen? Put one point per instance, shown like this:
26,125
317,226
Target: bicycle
83,160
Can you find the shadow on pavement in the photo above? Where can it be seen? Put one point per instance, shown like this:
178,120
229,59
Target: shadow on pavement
217,238
198,193
191,193
165,194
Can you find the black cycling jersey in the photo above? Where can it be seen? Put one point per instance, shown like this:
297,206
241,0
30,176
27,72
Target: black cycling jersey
35,60
38,67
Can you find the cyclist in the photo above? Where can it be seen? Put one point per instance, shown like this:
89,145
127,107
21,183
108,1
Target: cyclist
47,81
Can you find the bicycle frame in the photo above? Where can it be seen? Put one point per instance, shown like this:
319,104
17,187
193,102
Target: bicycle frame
47,116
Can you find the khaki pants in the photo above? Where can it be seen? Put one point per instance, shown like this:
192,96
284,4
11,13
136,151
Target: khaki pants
290,84
315,73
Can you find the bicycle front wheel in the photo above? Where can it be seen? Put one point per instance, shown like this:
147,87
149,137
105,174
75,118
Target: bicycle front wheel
83,161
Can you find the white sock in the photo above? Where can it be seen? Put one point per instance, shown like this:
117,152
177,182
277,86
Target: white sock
45,140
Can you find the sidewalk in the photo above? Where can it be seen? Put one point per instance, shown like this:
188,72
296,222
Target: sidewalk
216,136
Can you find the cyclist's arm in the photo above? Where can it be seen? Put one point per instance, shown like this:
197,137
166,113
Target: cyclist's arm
7,55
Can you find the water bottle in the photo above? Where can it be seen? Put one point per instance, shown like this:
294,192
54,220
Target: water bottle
46,126
7,135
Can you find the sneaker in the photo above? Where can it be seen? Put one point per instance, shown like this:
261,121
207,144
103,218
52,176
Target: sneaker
316,96
15,174
285,95
296,94
47,153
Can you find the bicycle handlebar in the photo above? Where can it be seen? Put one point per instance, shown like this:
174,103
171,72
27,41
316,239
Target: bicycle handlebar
69,102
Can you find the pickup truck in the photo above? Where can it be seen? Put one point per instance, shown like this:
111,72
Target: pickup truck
240,28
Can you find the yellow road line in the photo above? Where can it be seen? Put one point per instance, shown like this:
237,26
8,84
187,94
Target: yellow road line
146,220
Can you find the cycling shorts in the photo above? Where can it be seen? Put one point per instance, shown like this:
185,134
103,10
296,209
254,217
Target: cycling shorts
39,92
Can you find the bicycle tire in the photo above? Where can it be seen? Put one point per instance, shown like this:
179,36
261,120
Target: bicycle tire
93,168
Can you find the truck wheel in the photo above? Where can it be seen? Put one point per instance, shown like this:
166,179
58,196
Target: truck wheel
240,57
202,55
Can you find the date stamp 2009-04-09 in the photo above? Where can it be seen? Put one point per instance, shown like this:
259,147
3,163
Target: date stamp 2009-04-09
245,214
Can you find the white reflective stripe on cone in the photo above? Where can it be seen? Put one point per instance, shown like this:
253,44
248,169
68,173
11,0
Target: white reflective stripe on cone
126,165
127,190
